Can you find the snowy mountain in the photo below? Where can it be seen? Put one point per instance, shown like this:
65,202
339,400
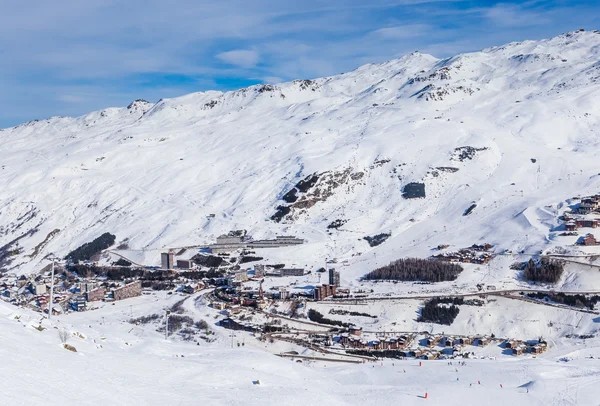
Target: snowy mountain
511,129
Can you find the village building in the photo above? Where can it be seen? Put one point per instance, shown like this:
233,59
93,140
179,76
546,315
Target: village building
96,294
518,349
259,271
583,223
167,260
240,276
432,341
78,303
40,289
357,331
130,290
279,241
538,348
291,272
430,355
323,291
483,341
588,240
185,264
334,277
464,341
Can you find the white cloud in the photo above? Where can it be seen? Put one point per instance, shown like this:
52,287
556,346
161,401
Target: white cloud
514,15
244,58
402,31
272,80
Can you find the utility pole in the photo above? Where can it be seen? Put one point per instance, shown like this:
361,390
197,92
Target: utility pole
50,305
167,312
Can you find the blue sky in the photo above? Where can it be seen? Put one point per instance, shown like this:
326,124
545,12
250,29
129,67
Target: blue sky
69,57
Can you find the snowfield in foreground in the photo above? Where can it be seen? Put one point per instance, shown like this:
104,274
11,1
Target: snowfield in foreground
121,365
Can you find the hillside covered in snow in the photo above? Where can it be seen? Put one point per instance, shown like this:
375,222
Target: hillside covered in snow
511,129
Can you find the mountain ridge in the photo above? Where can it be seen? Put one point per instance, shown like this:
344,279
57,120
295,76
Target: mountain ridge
151,172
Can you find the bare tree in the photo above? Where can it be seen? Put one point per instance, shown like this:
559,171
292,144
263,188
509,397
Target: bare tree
63,335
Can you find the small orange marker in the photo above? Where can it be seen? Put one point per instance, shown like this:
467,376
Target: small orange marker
426,395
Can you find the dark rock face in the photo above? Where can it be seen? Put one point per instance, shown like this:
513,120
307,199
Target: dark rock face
281,212
317,187
466,153
291,196
305,184
414,190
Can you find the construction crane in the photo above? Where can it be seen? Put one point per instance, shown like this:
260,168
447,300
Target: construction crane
260,289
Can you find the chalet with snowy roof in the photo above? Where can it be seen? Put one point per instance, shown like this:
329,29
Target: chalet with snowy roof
463,341
538,348
450,342
430,355
483,341
357,331
375,344
519,349
588,240
432,341
583,223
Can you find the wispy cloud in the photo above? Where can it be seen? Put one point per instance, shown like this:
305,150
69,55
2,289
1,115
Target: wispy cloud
512,15
97,53
244,58
403,31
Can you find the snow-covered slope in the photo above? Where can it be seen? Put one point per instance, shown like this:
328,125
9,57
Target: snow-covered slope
151,173
121,364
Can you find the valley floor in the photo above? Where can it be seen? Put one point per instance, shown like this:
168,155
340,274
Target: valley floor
126,364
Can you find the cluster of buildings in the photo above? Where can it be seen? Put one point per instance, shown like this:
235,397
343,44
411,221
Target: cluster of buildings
430,347
588,240
34,291
518,347
323,291
588,205
353,340
573,225
476,254
235,240
168,261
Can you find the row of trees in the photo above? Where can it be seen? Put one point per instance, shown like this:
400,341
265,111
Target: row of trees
416,269
547,271
89,249
576,300
317,317
434,311
118,274
341,312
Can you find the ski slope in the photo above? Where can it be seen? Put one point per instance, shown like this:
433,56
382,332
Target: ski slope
151,172
123,365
